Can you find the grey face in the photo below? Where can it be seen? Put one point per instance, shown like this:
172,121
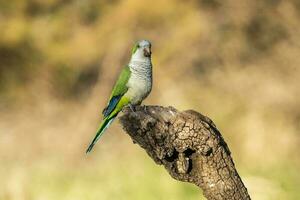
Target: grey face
146,47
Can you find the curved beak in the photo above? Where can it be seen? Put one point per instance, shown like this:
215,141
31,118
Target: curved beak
147,52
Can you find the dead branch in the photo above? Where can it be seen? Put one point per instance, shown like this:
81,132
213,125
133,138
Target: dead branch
190,147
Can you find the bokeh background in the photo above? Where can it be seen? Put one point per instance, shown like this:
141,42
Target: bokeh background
234,61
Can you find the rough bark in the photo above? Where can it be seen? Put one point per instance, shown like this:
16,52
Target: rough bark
189,146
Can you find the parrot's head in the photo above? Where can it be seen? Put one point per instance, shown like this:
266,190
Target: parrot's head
142,49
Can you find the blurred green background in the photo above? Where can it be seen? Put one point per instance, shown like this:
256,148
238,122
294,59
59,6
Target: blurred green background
235,61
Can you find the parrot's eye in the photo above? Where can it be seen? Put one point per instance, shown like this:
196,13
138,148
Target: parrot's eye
136,47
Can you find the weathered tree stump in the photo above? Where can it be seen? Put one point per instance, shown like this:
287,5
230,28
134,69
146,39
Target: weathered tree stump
190,147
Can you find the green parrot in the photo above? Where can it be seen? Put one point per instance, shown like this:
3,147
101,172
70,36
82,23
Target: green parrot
132,87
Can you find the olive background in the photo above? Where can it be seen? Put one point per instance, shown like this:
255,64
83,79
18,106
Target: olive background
234,61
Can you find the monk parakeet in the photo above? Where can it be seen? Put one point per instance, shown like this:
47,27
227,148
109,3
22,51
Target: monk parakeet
132,87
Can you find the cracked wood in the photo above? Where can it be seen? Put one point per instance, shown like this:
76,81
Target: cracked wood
189,146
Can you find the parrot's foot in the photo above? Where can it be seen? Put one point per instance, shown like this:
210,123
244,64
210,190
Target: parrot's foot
132,107
145,108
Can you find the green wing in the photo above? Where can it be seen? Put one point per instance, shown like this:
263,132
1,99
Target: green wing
118,91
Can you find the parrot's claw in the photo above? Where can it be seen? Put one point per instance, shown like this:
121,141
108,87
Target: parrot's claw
145,108
132,108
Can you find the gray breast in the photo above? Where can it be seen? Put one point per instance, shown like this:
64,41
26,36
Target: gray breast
140,82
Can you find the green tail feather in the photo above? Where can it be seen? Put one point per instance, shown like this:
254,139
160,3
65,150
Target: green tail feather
108,120
104,125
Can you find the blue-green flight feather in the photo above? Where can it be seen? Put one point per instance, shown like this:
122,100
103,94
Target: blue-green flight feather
118,91
116,102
